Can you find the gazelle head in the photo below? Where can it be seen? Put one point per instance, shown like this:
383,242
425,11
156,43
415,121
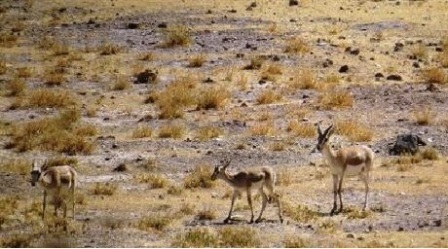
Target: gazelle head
36,172
220,170
323,137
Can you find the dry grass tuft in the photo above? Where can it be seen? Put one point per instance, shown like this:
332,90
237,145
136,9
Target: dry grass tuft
238,236
208,132
295,242
255,63
178,35
304,79
154,223
42,97
178,95
212,98
104,189
154,180
262,129
354,213
268,96
301,129
196,60
278,146
355,131
199,177
299,213
206,214
424,115
121,83
435,75
297,46
142,131
172,131
419,51
148,56
8,40
196,237
430,154
284,177
17,240
336,99
3,67
61,160
17,165
15,87
109,49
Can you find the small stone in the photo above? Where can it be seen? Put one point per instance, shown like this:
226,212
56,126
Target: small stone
162,25
293,2
133,25
120,168
394,77
350,236
343,69
379,75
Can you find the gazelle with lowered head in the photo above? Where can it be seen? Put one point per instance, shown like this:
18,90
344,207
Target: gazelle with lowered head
59,182
246,181
346,161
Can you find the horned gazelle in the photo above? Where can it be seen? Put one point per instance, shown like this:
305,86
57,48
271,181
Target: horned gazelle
246,182
353,160
56,181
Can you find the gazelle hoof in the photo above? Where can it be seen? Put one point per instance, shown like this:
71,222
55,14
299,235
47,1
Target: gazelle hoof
226,220
258,220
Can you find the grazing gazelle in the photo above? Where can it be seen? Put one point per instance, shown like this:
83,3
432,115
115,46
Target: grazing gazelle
246,182
353,160
56,181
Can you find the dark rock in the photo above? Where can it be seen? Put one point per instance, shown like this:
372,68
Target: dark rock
379,75
162,25
438,223
406,143
146,77
398,46
208,80
416,65
293,2
133,25
91,21
327,63
394,77
353,51
432,88
120,168
239,55
343,69
209,12
400,229
439,49
233,11
350,236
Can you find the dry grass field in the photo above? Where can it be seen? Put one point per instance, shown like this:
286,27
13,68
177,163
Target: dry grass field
144,98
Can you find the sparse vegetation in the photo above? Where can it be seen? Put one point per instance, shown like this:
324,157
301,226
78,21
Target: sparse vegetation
208,132
335,99
268,97
172,131
109,49
121,83
301,129
196,237
104,189
196,60
42,97
142,131
297,46
304,79
199,177
238,236
424,115
15,87
262,129
354,130
212,98
153,180
295,242
299,213
177,35
154,223
435,75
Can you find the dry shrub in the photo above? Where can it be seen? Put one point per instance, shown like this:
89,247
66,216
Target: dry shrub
301,129
268,96
430,154
48,98
242,82
199,177
177,35
262,129
148,56
121,83
255,63
238,236
176,191
60,49
85,130
295,242
354,213
206,214
17,240
196,238
53,134
104,188
304,79
154,223
154,180
15,87
299,213
17,165
424,115
442,58
142,131
271,71
419,51
336,99
297,46
435,75
172,131
8,40
208,132
284,177
354,130
278,146
196,60
178,95
109,49
212,98
24,72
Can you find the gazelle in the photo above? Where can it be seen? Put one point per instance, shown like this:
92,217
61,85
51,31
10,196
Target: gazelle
246,182
353,160
56,181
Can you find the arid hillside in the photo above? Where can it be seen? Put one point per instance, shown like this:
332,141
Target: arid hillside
145,98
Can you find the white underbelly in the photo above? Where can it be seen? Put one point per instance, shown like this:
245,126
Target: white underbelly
352,170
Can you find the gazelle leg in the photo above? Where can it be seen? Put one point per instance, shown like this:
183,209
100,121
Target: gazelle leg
365,179
340,193
229,217
73,202
335,193
249,200
263,205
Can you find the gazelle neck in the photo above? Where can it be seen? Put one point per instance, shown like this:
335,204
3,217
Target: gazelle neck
329,154
227,177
